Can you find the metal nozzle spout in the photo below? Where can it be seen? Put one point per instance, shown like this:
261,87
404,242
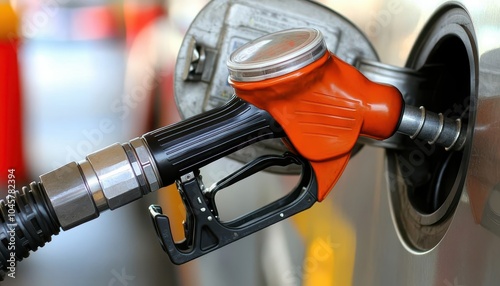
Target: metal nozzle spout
419,123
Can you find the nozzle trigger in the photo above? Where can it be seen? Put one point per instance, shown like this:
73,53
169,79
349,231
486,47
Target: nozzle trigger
206,232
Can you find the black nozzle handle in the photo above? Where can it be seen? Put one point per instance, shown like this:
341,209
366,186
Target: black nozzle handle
195,142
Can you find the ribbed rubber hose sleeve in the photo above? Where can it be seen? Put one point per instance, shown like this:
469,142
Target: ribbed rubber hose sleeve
26,223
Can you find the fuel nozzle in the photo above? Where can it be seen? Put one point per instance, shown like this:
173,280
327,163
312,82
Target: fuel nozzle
324,104
287,85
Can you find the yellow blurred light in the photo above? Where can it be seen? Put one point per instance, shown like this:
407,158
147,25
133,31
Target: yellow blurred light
8,22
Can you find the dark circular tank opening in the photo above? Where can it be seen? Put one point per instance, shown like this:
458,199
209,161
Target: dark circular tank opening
426,181
448,64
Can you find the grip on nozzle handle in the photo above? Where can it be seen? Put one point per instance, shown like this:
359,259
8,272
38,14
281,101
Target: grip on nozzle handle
193,143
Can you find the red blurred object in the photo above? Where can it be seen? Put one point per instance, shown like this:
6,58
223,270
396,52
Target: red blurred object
138,16
11,135
94,22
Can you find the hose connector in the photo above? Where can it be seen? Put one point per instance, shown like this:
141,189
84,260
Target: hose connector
106,179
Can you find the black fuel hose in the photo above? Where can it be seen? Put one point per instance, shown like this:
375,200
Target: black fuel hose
27,223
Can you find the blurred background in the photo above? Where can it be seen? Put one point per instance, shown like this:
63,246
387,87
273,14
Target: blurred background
77,77
89,74
92,73
82,75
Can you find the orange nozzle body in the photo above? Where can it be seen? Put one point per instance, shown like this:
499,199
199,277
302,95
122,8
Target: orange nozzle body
324,107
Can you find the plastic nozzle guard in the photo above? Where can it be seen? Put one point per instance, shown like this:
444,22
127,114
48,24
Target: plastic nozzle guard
324,107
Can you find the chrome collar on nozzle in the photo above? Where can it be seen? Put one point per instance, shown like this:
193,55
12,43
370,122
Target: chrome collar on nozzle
106,179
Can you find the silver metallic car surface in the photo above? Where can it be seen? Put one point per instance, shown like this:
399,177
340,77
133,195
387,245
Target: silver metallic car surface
399,240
